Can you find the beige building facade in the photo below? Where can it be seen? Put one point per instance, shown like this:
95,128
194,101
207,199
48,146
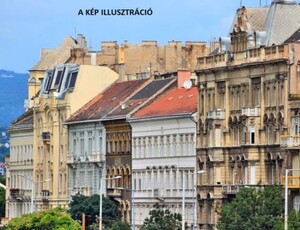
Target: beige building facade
20,167
244,109
147,58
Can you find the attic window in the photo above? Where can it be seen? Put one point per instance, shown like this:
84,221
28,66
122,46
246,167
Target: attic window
73,79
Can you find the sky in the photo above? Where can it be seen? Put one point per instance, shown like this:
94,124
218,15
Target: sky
27,26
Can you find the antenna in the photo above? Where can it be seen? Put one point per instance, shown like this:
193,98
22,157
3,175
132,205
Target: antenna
187,84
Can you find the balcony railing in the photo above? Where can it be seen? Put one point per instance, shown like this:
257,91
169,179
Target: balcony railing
251,111
46,136
86,191
17,193
114,192
232,189
249,56
287,141
216,114
293,182
93,158
45,195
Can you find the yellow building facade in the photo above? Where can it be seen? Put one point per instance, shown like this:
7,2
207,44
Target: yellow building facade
64,90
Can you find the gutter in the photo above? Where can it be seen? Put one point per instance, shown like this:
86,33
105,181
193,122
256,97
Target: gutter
153,118
81,122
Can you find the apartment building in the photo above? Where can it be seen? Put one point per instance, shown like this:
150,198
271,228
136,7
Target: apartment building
19,165
243,107
164,153
64,90
86,157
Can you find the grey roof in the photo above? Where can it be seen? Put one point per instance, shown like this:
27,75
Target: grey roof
282,21
255,16
279,21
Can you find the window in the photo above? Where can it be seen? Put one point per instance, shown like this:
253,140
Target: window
58,78
90,142
73,79
218,175
82,143
49,82
252,175
252,135
74,143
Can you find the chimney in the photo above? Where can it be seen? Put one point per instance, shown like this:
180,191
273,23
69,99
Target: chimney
81,42
183,75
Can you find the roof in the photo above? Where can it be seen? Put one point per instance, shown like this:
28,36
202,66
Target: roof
176,102
278,21
294,38
255,16
152,89
282,21
106,101
24,121
53,57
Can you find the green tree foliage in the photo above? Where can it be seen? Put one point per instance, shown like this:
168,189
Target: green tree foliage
120,225
162,218
293,221
2,197
89,205
53,219
253,209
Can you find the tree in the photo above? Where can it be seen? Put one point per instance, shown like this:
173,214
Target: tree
120,225
253,209
53,219
2,197
89,205
162,218
293,221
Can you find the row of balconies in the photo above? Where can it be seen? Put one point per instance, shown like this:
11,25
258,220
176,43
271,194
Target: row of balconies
293,183
73,159
219,114
248,56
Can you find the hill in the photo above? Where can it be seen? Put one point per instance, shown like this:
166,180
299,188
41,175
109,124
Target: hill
13,92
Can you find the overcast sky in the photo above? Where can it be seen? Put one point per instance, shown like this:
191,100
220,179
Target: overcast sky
27,26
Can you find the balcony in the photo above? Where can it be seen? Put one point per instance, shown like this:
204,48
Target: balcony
114,192
93,158
217,114
231,189
249,56
251,111
290,142
293,182
46,137
17,194
45,195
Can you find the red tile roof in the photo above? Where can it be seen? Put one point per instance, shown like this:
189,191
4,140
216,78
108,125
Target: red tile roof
107,100
152,89
176,102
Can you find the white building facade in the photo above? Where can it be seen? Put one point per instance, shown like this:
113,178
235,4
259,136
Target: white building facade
86,158
164,153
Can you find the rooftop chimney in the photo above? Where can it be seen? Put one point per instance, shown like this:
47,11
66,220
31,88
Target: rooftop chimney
183,75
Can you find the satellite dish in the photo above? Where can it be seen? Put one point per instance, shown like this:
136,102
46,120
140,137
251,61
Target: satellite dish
187,84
